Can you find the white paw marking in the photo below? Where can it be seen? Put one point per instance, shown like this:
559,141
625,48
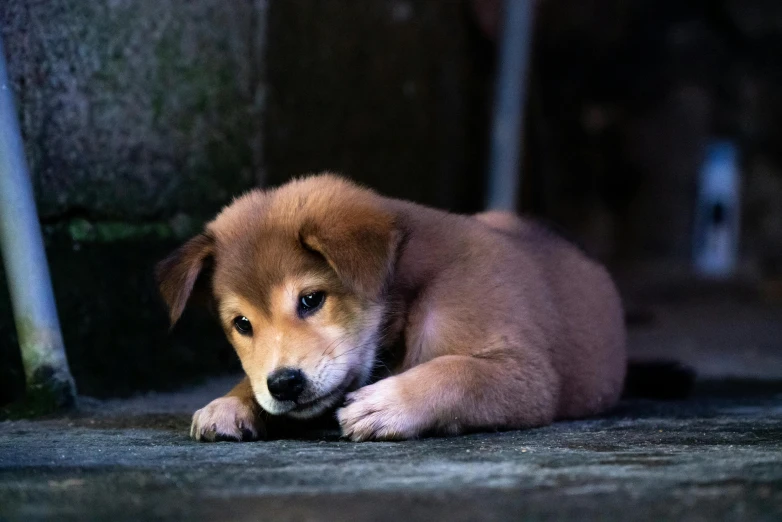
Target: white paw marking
378,412
227,418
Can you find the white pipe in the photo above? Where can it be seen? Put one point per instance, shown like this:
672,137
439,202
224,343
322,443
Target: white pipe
35,314
509,101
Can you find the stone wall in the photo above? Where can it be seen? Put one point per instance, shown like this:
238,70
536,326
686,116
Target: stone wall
137,109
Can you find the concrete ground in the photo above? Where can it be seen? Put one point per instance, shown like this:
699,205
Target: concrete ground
714,456
717,455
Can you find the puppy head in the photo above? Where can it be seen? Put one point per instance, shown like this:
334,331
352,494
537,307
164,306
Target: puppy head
299,276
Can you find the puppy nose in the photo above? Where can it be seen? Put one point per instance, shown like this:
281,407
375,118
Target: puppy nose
286,384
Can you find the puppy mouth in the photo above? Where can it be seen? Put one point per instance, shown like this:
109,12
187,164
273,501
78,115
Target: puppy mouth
320,404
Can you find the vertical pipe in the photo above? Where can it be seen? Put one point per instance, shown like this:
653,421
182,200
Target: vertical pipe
49,381
509,101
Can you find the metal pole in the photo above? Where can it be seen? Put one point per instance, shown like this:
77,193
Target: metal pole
49,381
509,101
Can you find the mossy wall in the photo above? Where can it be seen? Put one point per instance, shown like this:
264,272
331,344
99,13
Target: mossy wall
136,109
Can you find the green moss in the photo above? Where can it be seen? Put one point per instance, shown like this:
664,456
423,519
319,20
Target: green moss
49,387
85,231
48,390
25,330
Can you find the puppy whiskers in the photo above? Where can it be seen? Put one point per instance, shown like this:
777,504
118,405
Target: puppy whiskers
347,352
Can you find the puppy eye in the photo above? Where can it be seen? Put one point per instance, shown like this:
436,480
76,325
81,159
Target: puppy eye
310,303
242,325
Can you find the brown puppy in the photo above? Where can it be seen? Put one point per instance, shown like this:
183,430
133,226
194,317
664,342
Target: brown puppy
485,322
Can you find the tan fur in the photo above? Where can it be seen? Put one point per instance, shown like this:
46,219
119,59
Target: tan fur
485,322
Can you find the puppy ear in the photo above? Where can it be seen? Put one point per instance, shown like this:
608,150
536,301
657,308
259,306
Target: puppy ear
177,274
359,243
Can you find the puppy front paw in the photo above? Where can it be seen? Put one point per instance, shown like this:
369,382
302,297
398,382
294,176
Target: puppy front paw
378,412
227,418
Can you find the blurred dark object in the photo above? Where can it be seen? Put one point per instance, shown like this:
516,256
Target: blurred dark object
659,380
771,286
639,316
488,14
393,94
739,389
772,289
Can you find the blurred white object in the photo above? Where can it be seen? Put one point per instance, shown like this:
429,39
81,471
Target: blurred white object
717,217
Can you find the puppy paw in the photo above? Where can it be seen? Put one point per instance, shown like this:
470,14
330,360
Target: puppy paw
227,418
378,412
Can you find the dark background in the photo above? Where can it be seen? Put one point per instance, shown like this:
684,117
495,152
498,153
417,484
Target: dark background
142,118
